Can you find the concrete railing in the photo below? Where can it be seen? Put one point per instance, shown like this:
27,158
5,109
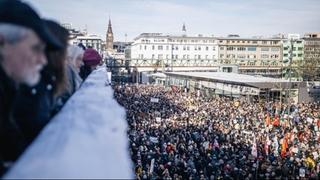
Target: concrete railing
86,139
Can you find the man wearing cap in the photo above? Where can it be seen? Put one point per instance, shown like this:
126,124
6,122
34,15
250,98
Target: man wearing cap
23,38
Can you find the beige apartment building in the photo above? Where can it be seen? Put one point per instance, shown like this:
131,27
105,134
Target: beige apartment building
253,55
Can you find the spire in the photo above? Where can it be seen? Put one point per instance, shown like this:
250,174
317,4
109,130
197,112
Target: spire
109,37
184,30
109,26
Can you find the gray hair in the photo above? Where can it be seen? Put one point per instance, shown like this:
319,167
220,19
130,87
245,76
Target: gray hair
73,52
12,33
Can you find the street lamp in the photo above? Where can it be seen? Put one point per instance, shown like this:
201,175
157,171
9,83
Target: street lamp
290,71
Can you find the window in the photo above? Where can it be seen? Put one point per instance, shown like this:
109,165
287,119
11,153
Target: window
160,56
167,47
152,56
199,48
199,56
214,48
230,48
285,48
264,49
275,49
188,48
252,48
241,48
207,48
264,56
206,56
254,42
160,47
285,55
177,48
221,55
145,47
140,47
299,55
300,48
184,48
176,56
152,47
264,42
221,48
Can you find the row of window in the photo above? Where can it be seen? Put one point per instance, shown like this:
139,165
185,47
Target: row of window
212,41
294,48
250,56
179,40
232,48
176,56
249,42
294,55
185,48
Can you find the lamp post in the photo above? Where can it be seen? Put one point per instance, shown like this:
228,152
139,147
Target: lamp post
290,72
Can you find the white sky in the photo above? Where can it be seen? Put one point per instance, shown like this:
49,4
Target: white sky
219,17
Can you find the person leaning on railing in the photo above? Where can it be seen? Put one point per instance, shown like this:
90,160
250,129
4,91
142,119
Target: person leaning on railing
23,38
35,105
91,59
73,80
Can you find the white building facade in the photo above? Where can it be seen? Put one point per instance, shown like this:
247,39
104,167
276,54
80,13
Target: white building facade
151,46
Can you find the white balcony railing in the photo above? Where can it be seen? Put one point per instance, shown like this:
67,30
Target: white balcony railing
86,139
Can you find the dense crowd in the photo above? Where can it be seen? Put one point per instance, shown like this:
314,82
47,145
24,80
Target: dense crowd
177,135
39,72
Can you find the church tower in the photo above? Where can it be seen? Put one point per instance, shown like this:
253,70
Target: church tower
109,37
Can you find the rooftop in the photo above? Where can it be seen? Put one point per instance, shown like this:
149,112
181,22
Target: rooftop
233,78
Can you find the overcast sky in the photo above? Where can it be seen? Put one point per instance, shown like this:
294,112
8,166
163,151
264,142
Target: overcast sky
218,17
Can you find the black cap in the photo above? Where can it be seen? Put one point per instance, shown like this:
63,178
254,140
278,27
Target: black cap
20,13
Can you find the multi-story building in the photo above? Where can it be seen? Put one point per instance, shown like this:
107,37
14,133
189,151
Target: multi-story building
311,64
253,55
292,46
73,33
120,46
173,50
92,40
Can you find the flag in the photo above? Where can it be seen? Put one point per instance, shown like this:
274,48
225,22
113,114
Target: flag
254,151
268,120
276,121
266,146
284,146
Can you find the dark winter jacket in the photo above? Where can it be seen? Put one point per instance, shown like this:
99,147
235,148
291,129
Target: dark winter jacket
34,106
12,142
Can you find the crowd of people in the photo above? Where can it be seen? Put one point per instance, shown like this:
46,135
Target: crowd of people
177,134
39,71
